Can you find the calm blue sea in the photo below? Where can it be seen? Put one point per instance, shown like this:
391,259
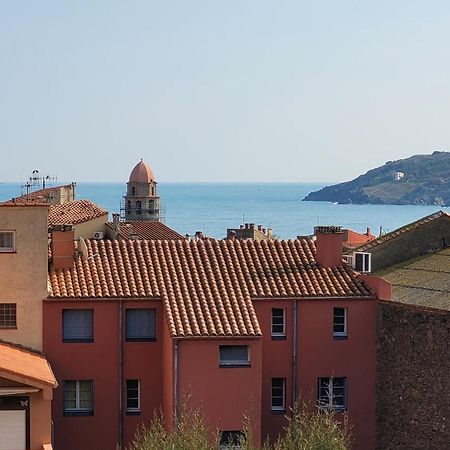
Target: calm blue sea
214,207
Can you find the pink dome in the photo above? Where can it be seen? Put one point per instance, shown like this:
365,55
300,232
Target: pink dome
142,173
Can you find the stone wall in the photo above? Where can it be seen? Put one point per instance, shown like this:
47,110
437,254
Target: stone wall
413,378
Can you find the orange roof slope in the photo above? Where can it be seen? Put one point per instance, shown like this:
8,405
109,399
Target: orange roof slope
27,364
74,212
146,229
206,286
402,230
40,194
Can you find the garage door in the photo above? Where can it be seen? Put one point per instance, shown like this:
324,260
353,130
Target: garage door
12,430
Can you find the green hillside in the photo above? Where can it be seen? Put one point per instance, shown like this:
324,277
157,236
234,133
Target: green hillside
426,181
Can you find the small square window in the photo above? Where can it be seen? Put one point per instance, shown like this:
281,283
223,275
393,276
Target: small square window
278,394
78,398
133,396
78,325
340,323
231,440
332,393
7,241
140,324
234,356
278,323
8,317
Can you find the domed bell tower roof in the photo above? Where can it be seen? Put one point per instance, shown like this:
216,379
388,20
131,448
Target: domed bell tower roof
142,173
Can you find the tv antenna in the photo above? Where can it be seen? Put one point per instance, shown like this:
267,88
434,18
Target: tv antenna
36,180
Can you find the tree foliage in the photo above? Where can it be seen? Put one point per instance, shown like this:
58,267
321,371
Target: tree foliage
308,428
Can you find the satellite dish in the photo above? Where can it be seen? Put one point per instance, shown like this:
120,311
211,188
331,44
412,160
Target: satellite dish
82,247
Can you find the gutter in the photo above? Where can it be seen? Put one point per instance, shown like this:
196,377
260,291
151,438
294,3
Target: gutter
175,381
294,354
120,330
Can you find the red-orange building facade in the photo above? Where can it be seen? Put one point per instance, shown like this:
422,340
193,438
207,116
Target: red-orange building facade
241,328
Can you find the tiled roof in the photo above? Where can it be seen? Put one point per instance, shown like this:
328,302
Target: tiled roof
206,286
402,230
74,212
423,281
146,229
17,360
41,194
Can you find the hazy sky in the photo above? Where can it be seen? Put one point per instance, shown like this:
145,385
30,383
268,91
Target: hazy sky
221,90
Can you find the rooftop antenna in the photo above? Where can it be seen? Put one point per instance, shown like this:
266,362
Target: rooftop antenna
35,180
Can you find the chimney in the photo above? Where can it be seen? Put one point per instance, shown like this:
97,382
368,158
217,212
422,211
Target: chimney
199,235
62,245
368,231
328,245
116,229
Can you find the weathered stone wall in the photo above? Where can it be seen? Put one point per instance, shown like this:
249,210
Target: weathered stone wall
433,235
413,378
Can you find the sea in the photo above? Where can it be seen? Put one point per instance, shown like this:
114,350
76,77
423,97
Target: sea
214,207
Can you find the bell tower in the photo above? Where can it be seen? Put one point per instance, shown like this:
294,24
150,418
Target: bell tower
141,201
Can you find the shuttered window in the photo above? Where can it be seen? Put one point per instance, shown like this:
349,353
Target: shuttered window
78,325
13,430
140,324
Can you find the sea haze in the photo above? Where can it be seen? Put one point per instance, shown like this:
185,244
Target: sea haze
214,207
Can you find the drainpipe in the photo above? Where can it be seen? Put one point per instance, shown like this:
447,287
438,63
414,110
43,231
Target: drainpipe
175,380
294,353
120,375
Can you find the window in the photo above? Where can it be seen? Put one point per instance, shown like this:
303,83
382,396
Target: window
129,206
278,325
230,440
278,394
78,398
78,325
140,324
133,191
8,317
138,207
332,393
234,356
362,262
133,396
7,241
340,323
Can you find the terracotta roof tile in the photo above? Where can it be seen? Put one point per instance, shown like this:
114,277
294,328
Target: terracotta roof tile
402,230
145,229
41,195
74,212
423,281
206,286
25,363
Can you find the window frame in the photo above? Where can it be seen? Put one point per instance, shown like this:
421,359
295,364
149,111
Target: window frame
148,338
232,435
234,363
278,408
329,404
4,313
13,248
133,410
78,411
278,335
340,335
85,340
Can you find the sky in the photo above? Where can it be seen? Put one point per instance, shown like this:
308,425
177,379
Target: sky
226,91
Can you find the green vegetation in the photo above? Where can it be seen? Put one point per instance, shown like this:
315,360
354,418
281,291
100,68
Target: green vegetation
308,428
426,181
